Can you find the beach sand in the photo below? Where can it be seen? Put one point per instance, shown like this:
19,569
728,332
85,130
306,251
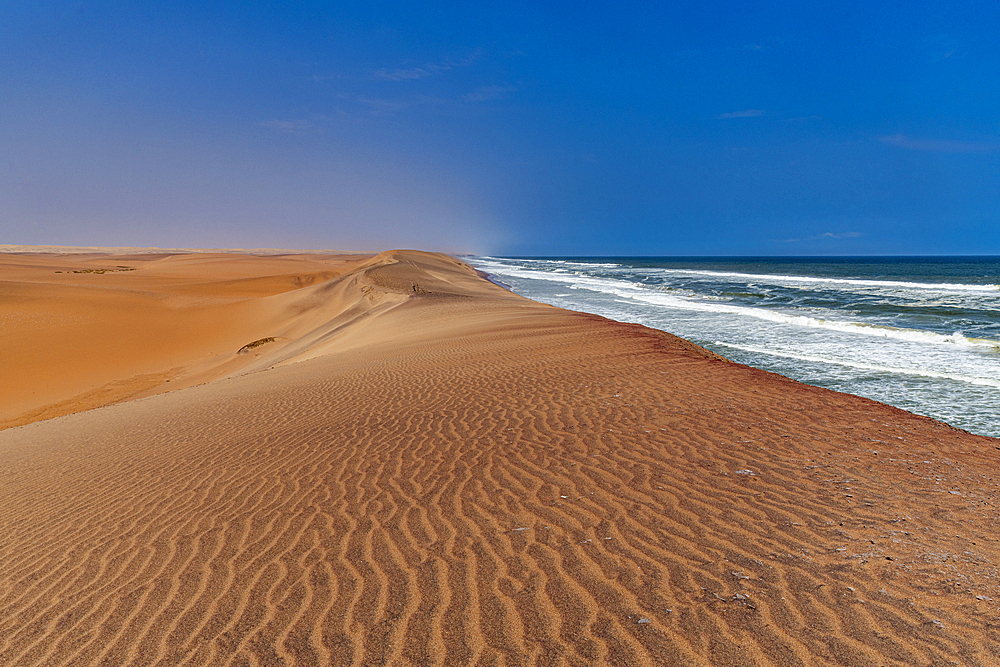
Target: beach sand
424,469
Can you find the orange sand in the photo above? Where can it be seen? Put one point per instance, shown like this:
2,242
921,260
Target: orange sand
423,469
84,330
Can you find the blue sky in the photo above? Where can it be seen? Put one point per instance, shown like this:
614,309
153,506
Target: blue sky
511,128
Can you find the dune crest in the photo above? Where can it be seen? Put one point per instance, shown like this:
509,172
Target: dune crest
85,330
424,469
82,330
351,310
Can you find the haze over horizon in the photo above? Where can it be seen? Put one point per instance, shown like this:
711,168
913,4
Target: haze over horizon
522,129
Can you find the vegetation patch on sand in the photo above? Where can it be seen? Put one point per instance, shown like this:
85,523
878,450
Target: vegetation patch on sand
100,271
257,343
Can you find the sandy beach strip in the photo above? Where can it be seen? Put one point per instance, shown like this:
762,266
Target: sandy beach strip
420,468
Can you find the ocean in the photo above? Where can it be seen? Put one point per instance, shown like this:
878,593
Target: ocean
920,333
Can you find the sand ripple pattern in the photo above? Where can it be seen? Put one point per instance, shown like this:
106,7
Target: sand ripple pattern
564,491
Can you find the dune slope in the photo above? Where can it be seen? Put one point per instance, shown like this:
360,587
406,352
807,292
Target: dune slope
81,330
428,470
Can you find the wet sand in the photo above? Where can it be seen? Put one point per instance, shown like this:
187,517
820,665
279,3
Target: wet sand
422,468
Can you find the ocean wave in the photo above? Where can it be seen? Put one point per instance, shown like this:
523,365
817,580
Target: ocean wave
500,261
772,278
854,282
860,328
673,300
988,382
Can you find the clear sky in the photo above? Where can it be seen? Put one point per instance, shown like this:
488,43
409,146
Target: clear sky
568,128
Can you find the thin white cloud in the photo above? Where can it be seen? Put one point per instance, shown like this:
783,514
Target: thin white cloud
288,125
488,93
384,106
943,47
826,235
746,113
412,73
941,145
388,107
430,69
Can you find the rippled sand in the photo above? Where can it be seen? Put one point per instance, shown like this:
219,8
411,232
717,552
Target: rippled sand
424,469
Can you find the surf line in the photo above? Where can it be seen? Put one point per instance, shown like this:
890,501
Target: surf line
863,366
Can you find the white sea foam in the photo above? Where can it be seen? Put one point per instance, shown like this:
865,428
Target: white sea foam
848,327
813,280
922,372
856,282
675,300
561,262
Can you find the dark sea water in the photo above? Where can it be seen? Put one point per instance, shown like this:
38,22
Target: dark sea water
919,333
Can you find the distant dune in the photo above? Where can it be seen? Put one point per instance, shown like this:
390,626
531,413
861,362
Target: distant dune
388,460
84,329
137,250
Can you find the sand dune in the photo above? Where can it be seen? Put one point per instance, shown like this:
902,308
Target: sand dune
81,330
423,469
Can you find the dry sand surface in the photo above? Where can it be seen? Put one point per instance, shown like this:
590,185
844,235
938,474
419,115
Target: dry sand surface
81,330
423,469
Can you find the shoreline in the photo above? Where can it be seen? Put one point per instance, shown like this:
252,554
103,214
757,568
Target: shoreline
922,338
428,469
